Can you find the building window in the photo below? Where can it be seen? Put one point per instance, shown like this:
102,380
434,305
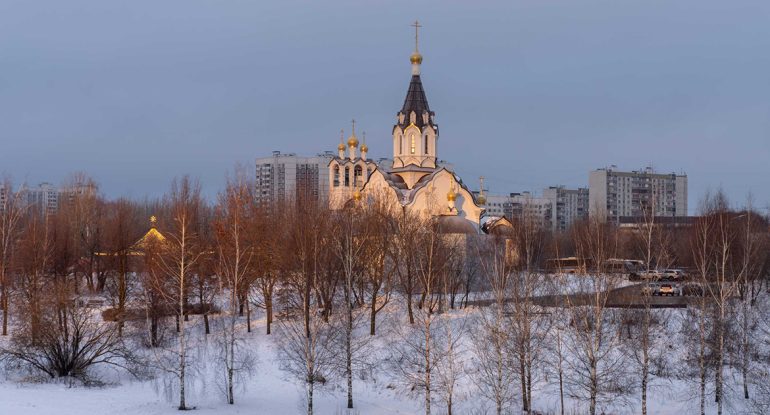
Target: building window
426,144
358,172
413,145
336,176
347,177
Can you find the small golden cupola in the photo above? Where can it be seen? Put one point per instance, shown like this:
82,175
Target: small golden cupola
353,140
341,145
352,143
481,199
416,57
451,196
364,147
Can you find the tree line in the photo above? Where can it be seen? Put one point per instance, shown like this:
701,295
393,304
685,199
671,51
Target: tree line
97,283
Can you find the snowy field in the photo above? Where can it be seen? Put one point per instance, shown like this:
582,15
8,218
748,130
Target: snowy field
271,390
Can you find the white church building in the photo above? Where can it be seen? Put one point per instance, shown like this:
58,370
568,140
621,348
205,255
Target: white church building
415,181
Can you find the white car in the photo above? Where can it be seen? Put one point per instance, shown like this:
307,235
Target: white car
652,275
672,274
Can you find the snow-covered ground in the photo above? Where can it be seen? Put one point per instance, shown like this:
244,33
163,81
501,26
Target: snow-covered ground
271,391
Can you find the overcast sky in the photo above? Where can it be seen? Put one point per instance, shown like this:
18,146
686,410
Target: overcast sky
527,93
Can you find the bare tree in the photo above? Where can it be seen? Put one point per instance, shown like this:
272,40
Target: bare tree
349,240
181,253
305,344
752,256
235,262
597,370
529,324
12,210
404,256
121,235
416,358
69,342
495,375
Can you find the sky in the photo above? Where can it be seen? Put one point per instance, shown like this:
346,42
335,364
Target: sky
528,93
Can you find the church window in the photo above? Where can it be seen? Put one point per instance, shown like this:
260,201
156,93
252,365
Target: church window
413,145
336,176
400,144
426,144
358,172
347,177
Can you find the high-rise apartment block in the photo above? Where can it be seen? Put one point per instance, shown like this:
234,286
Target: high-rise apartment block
520,205
568,206
44,197
616,194
289,177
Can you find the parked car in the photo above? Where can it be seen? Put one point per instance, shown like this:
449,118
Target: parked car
672,275
652,275
669,289
662,289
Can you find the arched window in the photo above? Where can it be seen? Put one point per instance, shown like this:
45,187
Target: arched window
358,173
336,176
413,145
400,144
426,144
347,177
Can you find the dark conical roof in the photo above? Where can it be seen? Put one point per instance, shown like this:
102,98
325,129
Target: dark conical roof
415,97
416,102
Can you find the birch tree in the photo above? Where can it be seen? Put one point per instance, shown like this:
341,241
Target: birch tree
235,261
181,253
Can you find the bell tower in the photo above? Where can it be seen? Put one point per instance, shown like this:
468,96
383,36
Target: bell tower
415,135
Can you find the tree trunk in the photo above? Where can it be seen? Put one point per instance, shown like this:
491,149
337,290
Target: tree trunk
122,288
349,352
522,375
409,308
5,307
230,396
248,314
373,315
269,311
594,387
310,398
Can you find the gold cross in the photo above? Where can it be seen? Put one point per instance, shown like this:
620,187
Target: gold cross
354,127
153,219
417,27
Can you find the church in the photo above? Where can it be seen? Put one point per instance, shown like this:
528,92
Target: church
415,181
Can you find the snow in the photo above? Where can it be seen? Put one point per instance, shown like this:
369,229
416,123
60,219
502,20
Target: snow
270,391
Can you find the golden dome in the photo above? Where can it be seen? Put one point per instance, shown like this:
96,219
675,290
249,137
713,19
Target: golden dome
341,147
482,199
416,58
357,196
451,196
364,148
352,141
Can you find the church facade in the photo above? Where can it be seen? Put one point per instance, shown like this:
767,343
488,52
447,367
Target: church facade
415,181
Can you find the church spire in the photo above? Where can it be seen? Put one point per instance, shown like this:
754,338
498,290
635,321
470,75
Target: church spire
415,100
415,134
416,57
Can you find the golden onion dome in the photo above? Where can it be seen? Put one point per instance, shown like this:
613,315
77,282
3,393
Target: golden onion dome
364,148
451,196
482,199
416,58
341,147
357,196
352,141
